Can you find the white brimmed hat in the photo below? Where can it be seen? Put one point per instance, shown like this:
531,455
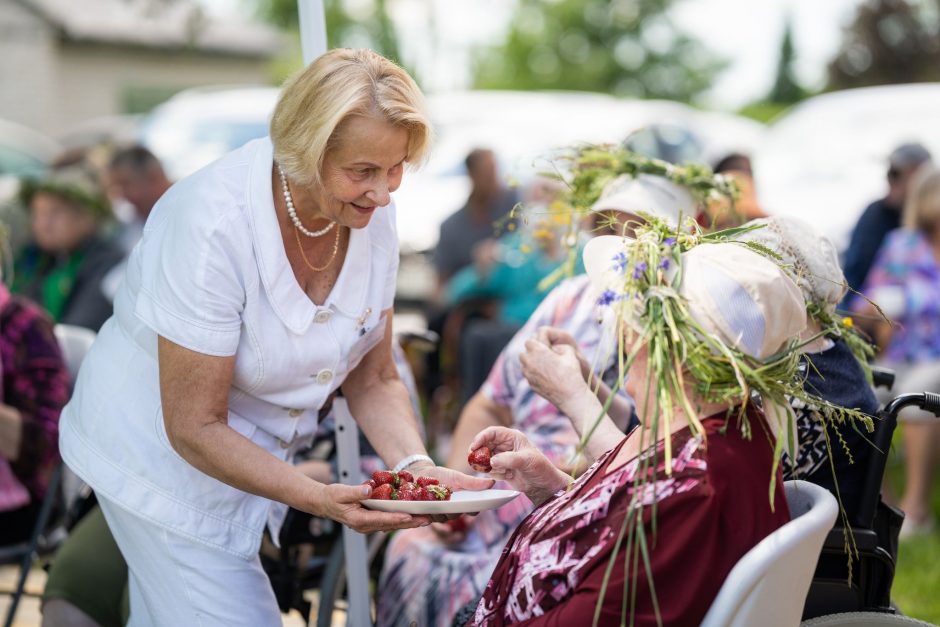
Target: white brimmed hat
648,194
813,258
744,299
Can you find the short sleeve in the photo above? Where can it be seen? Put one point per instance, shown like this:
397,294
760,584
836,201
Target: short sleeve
192,269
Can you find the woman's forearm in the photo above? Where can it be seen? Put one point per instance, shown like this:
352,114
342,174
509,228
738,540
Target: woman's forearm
221,452
587,416
383,411
620,409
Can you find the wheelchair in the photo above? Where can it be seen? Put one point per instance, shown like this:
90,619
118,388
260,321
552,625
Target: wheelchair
834,597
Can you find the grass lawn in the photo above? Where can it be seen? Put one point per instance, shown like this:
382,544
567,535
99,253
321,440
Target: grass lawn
916,589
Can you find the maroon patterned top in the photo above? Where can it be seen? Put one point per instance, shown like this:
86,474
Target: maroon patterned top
36,383
709,513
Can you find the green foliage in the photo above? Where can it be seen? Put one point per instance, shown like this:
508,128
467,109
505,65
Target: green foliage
365,24
763,111
786,89
889,41
918,573
624,47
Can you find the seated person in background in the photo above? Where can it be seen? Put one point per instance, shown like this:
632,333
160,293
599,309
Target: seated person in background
63,268
136,176
881,217
709,511
832,371
719,214
475,222
34,389
430,573
905,282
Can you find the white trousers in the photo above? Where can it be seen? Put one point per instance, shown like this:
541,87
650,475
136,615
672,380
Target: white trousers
176,582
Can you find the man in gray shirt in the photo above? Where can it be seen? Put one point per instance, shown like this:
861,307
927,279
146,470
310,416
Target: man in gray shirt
475,222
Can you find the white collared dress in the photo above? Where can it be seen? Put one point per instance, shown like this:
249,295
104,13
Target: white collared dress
211,274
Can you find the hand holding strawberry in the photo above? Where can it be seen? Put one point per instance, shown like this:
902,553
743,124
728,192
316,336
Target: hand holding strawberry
479,459
517,461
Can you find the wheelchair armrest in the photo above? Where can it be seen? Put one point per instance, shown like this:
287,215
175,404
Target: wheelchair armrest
865,539
882,377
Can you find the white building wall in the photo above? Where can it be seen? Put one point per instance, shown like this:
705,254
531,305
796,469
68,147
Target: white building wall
94,79
28,86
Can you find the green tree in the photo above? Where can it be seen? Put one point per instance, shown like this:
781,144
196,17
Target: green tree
625,47
889,41
364,24
786,89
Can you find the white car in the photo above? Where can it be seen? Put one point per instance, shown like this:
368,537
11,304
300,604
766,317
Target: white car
826,159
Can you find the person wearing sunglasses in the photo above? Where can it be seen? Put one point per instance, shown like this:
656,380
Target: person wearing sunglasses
881,216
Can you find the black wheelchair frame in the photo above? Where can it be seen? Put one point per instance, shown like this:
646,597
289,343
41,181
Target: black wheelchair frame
875,526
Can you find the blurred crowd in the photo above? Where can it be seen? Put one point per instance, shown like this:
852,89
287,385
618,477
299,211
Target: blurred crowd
500,277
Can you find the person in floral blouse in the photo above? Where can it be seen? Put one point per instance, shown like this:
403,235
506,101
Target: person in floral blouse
905,282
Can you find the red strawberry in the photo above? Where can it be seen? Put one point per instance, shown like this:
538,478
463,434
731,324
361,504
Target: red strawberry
439,493
421,494
406,477
479,459
407,494
383,477
406,486
372,484
384,492
426,481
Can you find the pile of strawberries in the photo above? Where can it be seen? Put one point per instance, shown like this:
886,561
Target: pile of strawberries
402,486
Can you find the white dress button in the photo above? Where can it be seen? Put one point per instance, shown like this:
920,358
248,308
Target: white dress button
324,376
323,316
295,412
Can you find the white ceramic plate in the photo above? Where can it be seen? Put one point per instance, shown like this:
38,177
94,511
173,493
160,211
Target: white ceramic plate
463,502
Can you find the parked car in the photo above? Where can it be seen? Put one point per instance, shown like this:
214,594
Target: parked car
197,126
826,159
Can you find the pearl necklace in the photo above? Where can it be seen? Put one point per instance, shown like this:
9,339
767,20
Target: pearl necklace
292,212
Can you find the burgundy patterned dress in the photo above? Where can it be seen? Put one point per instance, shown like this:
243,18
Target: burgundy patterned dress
709,513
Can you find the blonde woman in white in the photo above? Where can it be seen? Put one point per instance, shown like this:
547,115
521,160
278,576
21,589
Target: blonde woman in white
263,284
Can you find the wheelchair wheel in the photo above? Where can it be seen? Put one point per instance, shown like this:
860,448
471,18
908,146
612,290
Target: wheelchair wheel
863,619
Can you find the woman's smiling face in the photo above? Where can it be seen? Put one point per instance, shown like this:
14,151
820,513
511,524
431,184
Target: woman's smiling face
361,170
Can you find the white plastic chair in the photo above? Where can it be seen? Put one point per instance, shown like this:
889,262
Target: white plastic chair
74,342
768,586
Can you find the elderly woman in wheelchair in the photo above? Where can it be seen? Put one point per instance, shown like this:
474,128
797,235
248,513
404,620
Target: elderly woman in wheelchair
683,497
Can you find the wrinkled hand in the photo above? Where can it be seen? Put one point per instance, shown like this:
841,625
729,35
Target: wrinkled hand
519,463
552,337
553,372
341,503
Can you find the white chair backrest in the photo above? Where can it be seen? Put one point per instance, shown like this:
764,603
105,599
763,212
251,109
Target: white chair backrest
768,586
74,343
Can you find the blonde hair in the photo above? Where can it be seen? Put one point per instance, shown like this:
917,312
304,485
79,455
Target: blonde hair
922,209
344,82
